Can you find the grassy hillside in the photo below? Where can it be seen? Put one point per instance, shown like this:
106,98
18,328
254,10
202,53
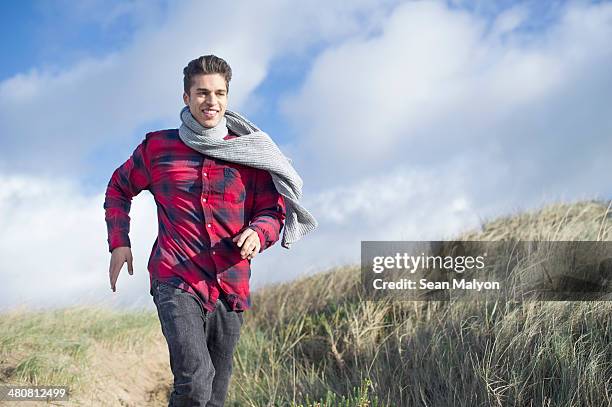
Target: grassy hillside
315,342
105,357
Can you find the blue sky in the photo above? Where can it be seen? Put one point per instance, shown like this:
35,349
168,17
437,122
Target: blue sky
54,35
39,32
407,120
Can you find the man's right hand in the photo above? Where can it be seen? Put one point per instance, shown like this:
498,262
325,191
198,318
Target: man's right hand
119,256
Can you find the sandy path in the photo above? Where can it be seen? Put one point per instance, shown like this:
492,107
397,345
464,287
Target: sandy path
129,378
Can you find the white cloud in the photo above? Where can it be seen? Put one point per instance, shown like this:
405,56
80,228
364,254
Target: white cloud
437,85
509,20
401,205
100,101
53,248
444,119
439,120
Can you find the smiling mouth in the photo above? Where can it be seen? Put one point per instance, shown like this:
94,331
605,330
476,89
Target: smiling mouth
210,113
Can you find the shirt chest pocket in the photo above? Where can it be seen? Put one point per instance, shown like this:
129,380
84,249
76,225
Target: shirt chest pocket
179,181
234,190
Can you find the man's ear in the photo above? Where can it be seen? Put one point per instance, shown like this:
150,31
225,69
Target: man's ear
186,98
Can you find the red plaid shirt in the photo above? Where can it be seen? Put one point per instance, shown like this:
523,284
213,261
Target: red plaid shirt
202,203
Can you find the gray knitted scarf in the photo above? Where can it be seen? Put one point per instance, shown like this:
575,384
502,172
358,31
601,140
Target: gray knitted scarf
253,148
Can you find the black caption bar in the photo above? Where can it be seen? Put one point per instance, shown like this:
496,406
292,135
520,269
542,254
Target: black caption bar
464,270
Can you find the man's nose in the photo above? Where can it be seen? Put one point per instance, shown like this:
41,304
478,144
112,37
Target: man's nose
211,99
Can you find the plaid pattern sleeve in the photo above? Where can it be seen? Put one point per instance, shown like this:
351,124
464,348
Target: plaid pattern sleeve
268,211
126,182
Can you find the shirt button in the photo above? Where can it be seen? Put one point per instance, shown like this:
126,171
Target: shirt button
214,252
204,174
209,225
204,199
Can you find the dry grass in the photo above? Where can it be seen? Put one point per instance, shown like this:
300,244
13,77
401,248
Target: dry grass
317,342
106,358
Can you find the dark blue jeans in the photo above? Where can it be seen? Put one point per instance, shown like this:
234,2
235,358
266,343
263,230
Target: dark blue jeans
201,345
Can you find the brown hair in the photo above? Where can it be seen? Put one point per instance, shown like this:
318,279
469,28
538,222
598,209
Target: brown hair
206,64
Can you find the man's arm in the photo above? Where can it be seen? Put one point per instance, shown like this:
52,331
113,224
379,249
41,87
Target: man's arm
126,182
268,211
267,221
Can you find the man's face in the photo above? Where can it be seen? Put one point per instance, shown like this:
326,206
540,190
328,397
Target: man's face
207,98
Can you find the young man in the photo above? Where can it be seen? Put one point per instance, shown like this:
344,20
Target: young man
223,191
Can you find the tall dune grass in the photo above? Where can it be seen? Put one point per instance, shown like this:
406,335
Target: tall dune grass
317,342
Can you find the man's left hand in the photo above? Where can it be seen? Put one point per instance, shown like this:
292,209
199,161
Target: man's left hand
248,240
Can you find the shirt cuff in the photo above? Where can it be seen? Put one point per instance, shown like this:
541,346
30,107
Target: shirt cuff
262,236
118,241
